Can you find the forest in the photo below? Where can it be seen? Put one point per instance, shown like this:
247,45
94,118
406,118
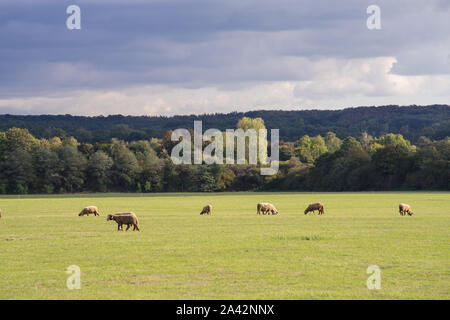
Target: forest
314,162
410,121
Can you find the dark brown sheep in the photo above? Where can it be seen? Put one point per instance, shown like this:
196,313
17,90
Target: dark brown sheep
206,209
315,206
128,218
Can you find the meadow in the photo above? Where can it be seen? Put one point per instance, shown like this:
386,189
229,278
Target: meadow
232,254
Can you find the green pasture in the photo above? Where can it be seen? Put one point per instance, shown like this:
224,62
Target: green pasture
232,254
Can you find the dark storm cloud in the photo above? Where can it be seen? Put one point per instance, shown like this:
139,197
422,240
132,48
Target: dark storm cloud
198,43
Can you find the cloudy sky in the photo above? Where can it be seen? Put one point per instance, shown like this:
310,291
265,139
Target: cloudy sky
165,57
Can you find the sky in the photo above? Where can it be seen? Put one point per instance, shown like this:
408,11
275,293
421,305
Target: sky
167,57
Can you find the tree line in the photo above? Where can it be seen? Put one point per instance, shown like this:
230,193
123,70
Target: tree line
410,121
62,164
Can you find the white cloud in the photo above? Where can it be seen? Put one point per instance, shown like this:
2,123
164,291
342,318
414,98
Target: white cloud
335,83
359,77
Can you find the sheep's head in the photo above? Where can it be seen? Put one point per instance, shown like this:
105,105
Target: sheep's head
410,213
80,214
109,217
274,212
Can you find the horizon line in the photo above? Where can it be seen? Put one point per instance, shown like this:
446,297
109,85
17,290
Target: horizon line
337,109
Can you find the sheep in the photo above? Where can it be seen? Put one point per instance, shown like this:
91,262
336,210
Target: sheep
265,207
315,206
206,209
0,213
262,207
404,209
88,210
128,218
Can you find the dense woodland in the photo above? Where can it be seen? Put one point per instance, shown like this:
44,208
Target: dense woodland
412,122
321,162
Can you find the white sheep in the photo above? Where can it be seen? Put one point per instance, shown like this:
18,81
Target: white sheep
266,207
128,218
404,209
89,210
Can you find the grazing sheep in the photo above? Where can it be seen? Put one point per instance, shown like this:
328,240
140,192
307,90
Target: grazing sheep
128,218
404,209
315,206
89,210
262,207
265,207
206,209
0,213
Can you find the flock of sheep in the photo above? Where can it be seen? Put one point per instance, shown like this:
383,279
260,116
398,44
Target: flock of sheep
268,208
130,218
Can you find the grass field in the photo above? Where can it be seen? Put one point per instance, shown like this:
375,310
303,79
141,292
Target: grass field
233,254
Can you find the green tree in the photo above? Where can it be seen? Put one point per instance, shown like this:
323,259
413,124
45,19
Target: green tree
86,149
317,147
303,149
392,164
99,171
46,164
55,143
366,140
391,139
18,171
83,135
70,141
17,138
432,167
73,166
121,132
286,151
332,142
256,124
126,170
373,148
349,143
226,178
3,146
